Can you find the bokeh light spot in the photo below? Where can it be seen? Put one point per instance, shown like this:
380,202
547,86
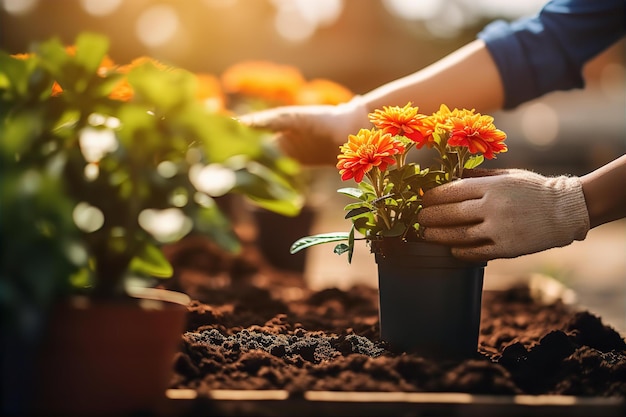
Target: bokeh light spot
157,25
88,218
297,20
540,124
100,7
214,179
292,26
167,225
413,10
19,7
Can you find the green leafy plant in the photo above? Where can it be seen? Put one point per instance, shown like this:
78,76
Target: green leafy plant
389,186
105,163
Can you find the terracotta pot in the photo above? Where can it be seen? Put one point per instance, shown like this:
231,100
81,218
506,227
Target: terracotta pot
429,301
110,358
276,233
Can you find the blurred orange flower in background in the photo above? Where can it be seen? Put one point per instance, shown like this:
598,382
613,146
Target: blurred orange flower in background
322,91
274,83
242,87
256,85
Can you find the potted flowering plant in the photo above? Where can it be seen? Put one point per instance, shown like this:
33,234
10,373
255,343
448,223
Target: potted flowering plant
102,165
421,285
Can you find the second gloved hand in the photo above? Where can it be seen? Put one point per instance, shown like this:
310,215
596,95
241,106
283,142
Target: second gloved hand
312,134
505,214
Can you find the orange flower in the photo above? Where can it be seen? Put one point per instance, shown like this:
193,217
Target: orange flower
56,89
265,80
322,91
437,119
405,121
366,150
477,133
122,91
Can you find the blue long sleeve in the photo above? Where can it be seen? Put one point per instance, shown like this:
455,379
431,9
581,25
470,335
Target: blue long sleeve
547,52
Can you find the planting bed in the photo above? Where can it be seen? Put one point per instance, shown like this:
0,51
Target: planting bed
259,342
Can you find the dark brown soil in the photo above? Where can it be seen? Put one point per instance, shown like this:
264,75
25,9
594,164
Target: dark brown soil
252,326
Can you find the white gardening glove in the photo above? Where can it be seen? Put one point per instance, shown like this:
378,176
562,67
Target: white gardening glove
312,134
505,214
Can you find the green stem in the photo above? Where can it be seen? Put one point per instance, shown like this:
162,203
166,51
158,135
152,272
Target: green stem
378,182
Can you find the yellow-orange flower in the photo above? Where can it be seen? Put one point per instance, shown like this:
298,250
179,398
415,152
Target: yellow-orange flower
476,132
405,121
275,83
366,150
438,119
322,91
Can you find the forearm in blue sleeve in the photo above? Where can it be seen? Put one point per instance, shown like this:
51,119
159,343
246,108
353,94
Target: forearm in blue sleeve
547,52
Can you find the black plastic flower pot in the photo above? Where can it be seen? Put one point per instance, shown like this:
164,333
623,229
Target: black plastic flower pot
429,301
276,233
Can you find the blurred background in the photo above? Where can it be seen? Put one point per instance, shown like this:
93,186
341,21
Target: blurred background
362,44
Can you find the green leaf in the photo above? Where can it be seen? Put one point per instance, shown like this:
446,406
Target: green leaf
90,50
341,249
164,89
286,207
351,245
351,192
151,261
356,212
268,190
360,204
313,240
224,138
473,161
212,223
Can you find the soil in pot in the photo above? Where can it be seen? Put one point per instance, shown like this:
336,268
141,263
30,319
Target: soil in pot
251,327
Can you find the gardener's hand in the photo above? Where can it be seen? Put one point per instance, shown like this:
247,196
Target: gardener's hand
505,214
312,134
